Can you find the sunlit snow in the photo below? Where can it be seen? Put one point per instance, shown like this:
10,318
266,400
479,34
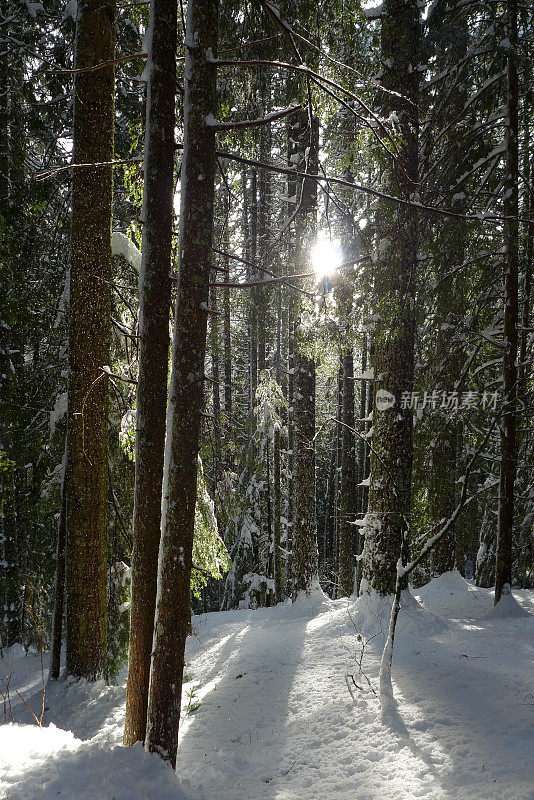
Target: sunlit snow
276,719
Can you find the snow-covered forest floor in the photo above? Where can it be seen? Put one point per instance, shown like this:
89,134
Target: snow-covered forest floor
276,719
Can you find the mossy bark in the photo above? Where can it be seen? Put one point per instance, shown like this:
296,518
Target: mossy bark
89,342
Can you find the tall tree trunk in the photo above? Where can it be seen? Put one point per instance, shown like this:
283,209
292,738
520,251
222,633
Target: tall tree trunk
89,342
503,558
262,297
448,30
388,517
253,306
154,308
172,621
528,251
305,557
227,335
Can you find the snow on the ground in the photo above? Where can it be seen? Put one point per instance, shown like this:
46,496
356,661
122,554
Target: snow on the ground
276,719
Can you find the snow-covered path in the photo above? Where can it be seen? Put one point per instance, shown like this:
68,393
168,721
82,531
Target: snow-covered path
276,720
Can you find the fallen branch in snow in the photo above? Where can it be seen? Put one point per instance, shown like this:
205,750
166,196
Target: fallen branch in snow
288,770
34,715
363,642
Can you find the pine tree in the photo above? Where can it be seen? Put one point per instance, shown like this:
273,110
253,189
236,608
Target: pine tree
89,341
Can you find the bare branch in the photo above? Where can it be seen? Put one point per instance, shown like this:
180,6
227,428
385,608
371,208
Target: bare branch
216,125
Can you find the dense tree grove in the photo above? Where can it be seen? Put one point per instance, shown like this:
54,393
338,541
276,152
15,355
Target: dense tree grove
328,211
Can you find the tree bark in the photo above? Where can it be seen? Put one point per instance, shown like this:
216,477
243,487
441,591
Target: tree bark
277,513
508,427
172,621
154,308
388,518
305,557
227,335
348,493
89,342
448,30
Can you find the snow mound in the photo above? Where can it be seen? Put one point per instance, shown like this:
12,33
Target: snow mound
49,762
507,608
85,707
450,595
311,602
371,613
14,652
20,743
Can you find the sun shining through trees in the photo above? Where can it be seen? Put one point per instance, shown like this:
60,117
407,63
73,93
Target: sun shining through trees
326,256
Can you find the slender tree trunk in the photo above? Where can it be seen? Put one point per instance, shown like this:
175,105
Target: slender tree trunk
172,621
329,512
362,427
59,589
155,299
270,600
305,562
348,494
388,518
277,513
10,561
337,475
216,390
89,342
503,559
253,304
